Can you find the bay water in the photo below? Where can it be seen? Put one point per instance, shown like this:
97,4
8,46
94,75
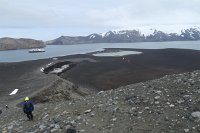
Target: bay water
63,50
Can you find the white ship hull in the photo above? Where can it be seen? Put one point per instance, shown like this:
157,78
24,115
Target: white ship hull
36,50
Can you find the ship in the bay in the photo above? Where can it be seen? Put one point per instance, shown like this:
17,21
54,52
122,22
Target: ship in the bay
36,50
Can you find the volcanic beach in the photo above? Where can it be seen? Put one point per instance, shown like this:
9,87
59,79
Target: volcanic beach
93,74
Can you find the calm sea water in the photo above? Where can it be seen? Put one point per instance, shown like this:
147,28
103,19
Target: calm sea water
61,50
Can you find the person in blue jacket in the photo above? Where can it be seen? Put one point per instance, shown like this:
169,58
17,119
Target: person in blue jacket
28,108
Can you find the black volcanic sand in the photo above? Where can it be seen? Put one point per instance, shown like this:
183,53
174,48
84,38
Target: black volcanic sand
112,72
25,76
97,73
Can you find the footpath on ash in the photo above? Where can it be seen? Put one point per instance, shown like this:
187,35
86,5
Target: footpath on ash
170,104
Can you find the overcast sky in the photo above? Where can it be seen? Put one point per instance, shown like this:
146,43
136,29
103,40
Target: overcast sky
49,19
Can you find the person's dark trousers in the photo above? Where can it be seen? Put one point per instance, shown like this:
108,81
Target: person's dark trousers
29,115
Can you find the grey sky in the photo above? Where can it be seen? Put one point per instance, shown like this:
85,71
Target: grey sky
48,19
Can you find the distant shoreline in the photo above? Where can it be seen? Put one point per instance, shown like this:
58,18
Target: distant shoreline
7,43
29,47
65,50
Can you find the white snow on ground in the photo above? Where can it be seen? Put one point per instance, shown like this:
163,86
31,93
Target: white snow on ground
120,53
14,92
42,69
59,70
49,64
54,58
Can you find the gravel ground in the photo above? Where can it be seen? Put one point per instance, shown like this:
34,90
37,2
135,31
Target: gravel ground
170,104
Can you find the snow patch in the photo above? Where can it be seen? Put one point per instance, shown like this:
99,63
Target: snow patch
92,36
42,69
59,70
49,64
54,58
103,34
120,53
14,92
107,34
120,32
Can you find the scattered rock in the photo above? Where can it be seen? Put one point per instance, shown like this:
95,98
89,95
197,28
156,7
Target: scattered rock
186,130
70,128
161,105
42,127
171,105
82,131
87,111
196,116
157,97
45,116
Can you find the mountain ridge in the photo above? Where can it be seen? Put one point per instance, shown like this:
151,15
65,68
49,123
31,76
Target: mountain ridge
141,34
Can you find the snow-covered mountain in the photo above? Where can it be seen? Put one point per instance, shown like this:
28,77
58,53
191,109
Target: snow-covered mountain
138,34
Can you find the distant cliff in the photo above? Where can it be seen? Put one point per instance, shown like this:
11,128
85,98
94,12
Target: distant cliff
22,43
144,34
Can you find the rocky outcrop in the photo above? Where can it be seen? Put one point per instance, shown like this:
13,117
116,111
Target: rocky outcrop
22,43
126,36
58,91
